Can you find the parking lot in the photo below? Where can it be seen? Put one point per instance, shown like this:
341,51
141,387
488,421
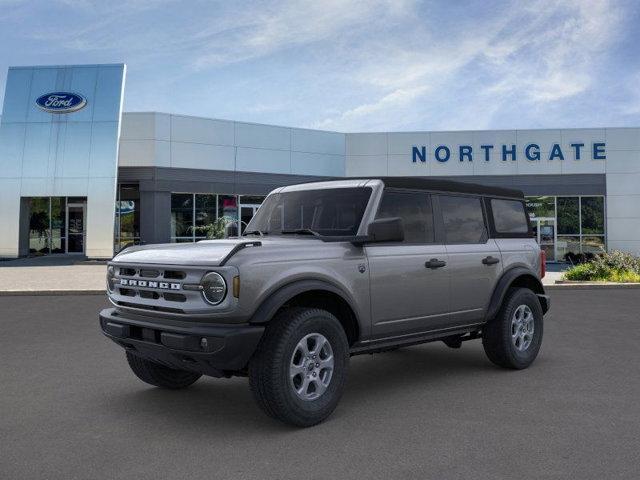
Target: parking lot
70,407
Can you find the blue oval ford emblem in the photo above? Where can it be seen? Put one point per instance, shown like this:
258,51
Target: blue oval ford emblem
61,102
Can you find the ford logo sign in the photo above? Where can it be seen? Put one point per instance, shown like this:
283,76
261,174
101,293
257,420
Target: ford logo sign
61,102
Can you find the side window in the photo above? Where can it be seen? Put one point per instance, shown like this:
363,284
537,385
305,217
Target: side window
463,219
509,216
415,211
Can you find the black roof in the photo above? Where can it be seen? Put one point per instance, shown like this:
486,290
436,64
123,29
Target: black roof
436,184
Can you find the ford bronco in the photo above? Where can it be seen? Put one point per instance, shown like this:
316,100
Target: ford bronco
325,271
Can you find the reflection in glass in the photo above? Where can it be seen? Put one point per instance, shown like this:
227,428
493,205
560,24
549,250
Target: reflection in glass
593,244
541,206
181,215
205,209
39,225
568,216
592,215
567,244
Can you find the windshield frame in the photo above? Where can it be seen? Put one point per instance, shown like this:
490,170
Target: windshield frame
261,218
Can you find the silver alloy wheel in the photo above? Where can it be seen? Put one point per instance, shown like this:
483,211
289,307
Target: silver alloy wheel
522,327
311,366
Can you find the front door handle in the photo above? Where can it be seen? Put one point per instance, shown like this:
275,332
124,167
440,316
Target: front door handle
435,263
490,260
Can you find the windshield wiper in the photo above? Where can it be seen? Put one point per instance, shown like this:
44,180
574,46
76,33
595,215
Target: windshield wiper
301,231
255,232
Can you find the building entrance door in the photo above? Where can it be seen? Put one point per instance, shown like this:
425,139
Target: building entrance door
76,231
545,230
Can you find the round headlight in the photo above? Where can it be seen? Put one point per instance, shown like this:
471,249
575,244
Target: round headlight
111,272
214,288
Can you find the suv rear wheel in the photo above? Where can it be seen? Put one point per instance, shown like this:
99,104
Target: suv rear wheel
513,338
299,370
159,375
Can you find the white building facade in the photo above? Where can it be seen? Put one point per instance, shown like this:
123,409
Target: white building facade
93,180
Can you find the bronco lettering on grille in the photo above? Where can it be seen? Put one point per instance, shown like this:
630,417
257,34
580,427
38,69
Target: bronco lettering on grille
145,283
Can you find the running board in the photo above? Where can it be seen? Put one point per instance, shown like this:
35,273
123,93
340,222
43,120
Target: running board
373,346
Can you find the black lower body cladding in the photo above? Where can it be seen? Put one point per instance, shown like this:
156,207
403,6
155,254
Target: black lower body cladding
214,350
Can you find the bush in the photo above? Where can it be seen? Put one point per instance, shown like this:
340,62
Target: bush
614,266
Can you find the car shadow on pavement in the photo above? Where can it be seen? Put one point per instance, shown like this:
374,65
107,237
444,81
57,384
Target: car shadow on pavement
228,403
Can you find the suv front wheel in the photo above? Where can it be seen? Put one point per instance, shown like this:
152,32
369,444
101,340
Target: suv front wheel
513,338
298,372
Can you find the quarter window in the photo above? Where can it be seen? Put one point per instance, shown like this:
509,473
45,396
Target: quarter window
509,216
463,219
415,211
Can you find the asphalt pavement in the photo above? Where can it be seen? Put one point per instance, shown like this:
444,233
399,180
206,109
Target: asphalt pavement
71,409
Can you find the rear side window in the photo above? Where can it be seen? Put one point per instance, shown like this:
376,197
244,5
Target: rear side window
415,211
463,219
509,216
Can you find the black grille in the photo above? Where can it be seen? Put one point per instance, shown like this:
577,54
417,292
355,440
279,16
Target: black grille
149,273
174,274
149,294
174,297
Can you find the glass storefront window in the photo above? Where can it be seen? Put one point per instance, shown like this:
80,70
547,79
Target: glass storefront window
192,210
580,223
127,225
592,214
205,213
181,215
48,228
593,244
228,207
541,207
568,216
567,244
39,225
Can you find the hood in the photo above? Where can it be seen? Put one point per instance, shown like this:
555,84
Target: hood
208,252
215,252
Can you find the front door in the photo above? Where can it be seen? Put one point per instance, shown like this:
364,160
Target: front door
75,227
409,281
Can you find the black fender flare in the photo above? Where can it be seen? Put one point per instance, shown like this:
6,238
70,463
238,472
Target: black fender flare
275,300
507,279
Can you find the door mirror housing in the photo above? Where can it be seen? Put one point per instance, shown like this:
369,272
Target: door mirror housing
385,230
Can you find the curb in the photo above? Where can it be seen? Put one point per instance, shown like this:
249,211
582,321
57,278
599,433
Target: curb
22,293
591,286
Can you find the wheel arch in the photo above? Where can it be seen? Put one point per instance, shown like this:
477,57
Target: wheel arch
514,277
312,294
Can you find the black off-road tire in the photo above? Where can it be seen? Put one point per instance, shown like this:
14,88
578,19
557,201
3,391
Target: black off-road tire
159,375
497,333
269,376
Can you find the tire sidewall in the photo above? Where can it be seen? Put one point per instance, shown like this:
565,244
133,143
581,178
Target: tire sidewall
522,359
327,325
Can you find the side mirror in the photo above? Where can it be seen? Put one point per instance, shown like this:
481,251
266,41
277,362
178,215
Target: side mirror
386,230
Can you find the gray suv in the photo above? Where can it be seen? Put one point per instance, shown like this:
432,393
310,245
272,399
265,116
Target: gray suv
325,271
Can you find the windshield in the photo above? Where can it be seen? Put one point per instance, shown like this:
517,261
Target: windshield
328,212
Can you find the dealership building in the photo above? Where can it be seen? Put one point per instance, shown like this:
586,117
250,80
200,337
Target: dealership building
80,176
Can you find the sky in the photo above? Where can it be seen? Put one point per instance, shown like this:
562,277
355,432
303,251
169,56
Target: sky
350,65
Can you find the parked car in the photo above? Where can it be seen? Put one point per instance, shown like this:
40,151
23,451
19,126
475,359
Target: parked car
325,271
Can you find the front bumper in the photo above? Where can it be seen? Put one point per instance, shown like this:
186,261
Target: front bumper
215,350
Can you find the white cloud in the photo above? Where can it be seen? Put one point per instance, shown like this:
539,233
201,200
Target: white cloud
541,53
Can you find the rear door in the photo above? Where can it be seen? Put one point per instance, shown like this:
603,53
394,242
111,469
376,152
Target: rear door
409,279
475,263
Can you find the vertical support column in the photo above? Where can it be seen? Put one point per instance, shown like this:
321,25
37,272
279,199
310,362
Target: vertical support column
155,216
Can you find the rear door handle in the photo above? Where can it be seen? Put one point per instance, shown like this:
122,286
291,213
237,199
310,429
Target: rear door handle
435,263
490,260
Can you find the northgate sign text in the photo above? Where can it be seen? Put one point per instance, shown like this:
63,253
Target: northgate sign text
531,152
